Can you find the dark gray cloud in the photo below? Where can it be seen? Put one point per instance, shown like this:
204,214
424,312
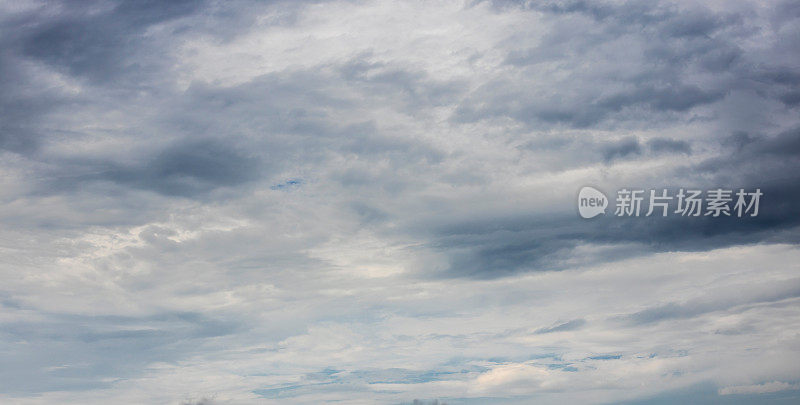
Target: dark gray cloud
501,245
100,41
666,145
504,246
621,149
187,168
20,107
677,44
91,42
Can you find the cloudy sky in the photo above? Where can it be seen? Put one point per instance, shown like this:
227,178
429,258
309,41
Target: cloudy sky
363,202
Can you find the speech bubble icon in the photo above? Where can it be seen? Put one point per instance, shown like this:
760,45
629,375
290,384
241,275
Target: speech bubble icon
591,202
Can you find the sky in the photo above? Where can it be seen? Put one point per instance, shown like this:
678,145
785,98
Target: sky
374,202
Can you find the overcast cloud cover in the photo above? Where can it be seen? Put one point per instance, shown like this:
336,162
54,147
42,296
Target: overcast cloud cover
360,202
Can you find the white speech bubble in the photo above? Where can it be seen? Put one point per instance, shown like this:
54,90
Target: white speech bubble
591,202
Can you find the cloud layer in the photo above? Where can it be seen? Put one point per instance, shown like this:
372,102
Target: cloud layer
373,202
